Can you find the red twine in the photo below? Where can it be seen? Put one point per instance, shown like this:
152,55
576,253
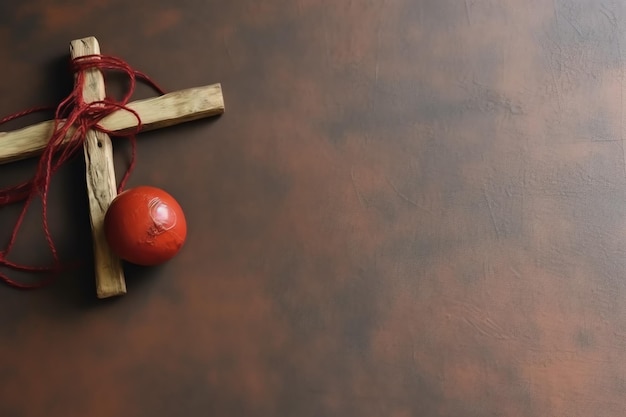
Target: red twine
73,119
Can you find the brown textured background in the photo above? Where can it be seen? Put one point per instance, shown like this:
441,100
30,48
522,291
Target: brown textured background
410,208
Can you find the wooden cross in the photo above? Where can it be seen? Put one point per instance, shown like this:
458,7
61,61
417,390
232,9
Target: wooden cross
166,110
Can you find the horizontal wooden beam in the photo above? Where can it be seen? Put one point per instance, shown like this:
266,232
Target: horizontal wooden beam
167,110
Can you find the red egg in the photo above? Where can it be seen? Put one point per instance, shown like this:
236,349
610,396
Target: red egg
145,226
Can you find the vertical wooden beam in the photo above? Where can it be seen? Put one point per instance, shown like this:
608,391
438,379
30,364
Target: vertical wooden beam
101,183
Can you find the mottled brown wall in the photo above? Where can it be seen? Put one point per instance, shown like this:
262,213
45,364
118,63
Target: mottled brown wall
410,208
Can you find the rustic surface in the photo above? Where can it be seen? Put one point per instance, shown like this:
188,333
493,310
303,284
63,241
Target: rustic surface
411,208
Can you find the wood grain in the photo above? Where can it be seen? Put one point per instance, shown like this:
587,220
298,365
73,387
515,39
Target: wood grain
167,110
101,186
